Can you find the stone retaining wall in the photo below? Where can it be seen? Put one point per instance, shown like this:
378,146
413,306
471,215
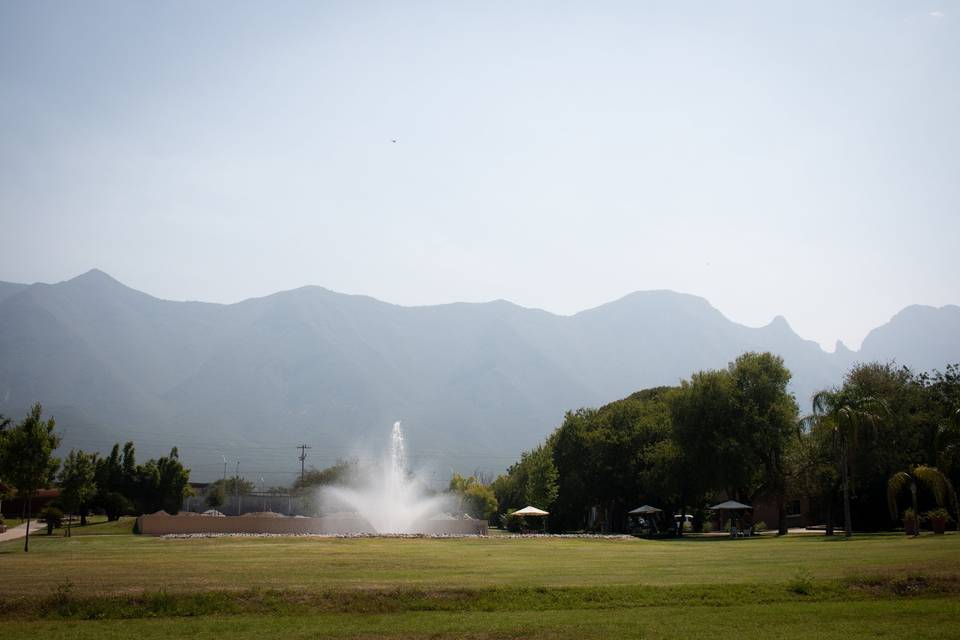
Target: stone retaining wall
164,524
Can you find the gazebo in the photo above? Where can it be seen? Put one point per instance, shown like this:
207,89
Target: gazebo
734,508
532,512
647,511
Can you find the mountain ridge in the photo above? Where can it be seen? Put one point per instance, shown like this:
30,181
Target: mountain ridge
310,362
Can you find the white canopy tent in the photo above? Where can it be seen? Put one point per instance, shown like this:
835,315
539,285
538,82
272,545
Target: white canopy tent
533,512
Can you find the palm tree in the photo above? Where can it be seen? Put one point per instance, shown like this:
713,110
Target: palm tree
948,441
939,486
846,412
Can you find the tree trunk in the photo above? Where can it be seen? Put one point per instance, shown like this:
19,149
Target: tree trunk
830,500
845,471
26,540
69,522
781,513
916,513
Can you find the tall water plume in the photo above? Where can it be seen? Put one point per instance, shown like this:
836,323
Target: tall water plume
389,499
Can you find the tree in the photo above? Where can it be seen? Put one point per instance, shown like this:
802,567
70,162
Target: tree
116,480
28,461
342,473
77,484
174,482
162,484
233,485
607,460
5,488
541,485
765,420
931,477
701,411
53,517
479,501
474,498
815,468
459,484
215,496
114,504
846,413
943,394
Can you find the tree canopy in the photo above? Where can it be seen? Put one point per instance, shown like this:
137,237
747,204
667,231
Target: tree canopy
28,462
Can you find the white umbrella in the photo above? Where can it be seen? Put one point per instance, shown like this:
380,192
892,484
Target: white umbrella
530,511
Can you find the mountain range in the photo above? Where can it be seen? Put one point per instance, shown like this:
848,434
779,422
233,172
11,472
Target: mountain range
474,384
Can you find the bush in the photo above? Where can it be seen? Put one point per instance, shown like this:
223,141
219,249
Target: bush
115,505
508,522
760,526
801,584
215,497
53,517
937,514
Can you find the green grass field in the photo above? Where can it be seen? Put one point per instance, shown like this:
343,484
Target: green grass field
115,585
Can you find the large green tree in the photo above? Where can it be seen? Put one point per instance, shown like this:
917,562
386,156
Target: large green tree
815,470
612,458
116,480
473,497
77,482
765,421
28,461
846,412
162,484
708,459
541,485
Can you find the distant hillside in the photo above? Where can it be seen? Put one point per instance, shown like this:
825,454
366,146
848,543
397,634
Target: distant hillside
473,383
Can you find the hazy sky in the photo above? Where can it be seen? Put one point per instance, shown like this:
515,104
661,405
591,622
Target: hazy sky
776,158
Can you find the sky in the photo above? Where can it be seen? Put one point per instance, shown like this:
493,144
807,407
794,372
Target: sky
777,158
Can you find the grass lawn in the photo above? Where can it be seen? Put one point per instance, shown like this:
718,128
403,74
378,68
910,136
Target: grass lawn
98,526
123,585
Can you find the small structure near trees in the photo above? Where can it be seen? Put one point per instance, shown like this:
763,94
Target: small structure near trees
733,509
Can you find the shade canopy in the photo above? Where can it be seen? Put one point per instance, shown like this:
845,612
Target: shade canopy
730,505
530,511
645,510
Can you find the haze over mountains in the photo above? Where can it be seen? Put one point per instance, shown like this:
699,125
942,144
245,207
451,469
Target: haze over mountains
474,384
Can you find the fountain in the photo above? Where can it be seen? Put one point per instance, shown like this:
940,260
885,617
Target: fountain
391,501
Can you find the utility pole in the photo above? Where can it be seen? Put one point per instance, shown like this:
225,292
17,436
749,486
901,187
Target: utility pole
237,486
224,472
303,456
